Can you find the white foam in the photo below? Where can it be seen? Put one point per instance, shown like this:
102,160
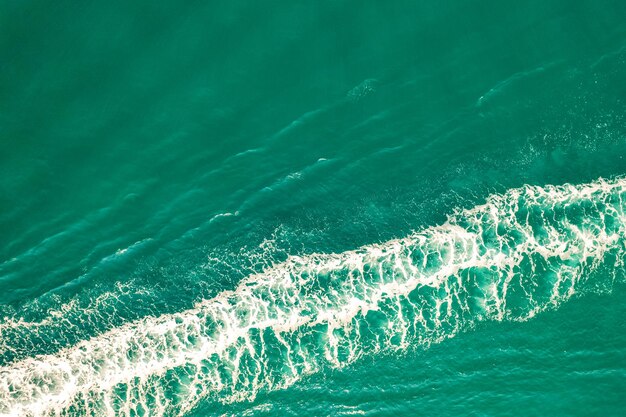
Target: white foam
327,310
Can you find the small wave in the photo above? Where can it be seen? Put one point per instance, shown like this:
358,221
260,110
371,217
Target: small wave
521,253
504,84
362,90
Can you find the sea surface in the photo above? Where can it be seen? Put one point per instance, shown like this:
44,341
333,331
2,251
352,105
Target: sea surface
322,208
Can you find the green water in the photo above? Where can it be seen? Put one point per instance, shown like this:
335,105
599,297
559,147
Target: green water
312,208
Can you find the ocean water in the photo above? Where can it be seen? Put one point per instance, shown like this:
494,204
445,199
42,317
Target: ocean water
332,208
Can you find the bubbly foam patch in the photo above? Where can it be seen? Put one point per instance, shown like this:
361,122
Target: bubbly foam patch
522,252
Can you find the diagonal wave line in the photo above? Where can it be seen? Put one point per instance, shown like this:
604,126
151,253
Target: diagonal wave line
520,253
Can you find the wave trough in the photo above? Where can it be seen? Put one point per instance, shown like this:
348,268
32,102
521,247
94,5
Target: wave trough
522,252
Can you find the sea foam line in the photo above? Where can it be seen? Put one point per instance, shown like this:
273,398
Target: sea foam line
520,253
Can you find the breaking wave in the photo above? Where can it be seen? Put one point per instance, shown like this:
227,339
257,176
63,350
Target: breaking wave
522,252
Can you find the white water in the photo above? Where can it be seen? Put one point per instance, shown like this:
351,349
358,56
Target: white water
520,253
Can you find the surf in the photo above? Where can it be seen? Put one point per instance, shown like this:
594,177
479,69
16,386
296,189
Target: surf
522,252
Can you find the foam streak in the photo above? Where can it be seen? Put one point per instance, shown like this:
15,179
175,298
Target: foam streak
522,252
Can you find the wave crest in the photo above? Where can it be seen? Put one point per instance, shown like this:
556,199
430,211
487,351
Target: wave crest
522,252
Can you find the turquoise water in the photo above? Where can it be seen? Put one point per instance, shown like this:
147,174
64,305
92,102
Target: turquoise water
312,208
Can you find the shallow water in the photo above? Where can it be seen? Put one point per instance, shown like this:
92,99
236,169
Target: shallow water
331,208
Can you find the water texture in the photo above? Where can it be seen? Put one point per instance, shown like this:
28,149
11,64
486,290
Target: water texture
310,209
